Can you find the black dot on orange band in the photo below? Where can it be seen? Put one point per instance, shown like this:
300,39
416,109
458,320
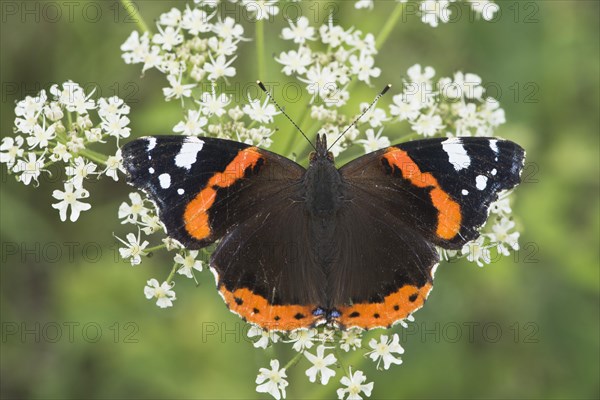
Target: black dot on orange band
376,315
277,318
255,310
396,307
354,314
413,297
239,301
299,316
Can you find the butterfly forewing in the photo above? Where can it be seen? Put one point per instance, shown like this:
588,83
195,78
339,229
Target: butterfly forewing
204,186
441,187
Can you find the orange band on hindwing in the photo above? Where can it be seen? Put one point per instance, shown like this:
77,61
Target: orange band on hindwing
395,307
195,216
256,309
449,214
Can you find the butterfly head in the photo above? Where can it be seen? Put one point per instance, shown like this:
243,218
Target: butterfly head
321,152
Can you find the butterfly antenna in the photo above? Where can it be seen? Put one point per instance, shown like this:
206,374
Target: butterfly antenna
384,91
264,89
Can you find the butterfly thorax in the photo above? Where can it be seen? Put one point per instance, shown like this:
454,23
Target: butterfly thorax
323,183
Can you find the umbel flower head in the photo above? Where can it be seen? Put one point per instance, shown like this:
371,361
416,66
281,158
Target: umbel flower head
195,49
60,129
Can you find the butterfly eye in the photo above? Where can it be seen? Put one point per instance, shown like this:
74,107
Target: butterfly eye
312,155
330,156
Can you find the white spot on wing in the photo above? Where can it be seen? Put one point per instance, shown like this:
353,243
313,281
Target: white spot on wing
188,152
481,182
180,191
151,170
457,155
164,180
151,143
494,145
465,192
494,171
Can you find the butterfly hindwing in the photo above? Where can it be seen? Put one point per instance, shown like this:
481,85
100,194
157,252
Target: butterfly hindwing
204,186
383,270
267,272
441,187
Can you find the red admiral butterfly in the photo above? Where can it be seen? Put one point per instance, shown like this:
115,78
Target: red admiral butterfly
299,247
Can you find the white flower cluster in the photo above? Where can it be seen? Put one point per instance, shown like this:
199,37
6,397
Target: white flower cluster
195,49
139,211
446,107
499,236
434,12
59,130
323,362
328,60
193,42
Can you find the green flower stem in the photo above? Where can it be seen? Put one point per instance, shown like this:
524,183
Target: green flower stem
94,156
337,354
260,48
61,137
133,11
388,27
49,163
158,247
69,120
172,274
293,361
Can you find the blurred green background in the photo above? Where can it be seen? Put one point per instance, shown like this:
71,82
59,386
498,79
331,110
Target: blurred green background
524,327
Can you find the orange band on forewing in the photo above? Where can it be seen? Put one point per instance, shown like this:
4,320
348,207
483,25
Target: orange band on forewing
395,307
257,310
196,212
196,216
449,215
236,169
